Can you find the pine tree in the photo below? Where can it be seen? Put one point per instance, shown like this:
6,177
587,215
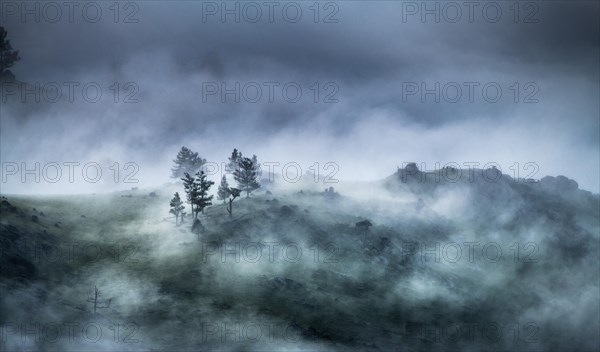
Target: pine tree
186,161
223,191
234,160
203,199
246,176
191,190
196,190
8,56
176,207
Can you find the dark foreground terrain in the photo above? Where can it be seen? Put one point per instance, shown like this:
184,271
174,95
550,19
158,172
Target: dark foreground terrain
469,265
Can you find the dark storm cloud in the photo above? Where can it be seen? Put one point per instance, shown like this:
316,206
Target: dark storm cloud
385,42
374,52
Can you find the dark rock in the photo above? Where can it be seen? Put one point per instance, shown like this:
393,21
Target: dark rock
20,268
6,205
286,210
153,194
57,225
83,216
365,224
34,218
42,213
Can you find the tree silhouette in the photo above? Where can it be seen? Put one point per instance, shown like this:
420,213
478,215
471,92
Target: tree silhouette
203,199
191,190
247,175
8,56
186,161
96,300
234,193
196,190
223,191
176,207
234,160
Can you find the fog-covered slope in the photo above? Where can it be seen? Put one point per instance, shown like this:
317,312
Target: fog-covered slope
463,265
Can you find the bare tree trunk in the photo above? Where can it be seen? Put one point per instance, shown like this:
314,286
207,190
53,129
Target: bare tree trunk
95,298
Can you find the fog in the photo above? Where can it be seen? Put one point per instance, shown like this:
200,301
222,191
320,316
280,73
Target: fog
176,65
429,180
364,289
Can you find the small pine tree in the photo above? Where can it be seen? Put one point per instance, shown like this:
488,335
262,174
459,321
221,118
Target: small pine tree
234,193
223,191
247,176
176,207
186,161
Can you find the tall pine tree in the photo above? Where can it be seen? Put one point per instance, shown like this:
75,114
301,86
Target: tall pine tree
203,199
246,175
196,190
191,190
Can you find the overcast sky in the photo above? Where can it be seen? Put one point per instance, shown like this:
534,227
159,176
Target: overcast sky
362,68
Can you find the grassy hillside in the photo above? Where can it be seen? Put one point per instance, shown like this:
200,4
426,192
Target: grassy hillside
465,265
